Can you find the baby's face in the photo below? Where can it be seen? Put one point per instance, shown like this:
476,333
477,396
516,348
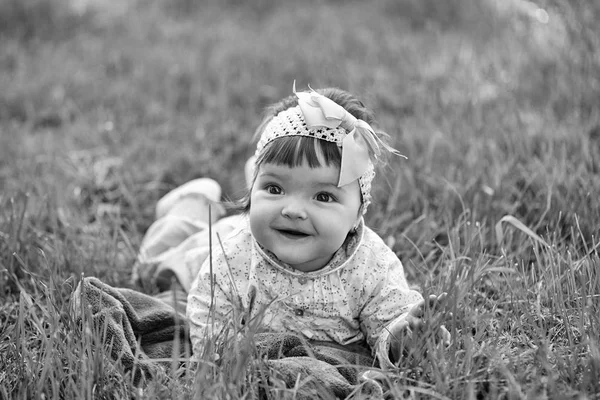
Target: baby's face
300,214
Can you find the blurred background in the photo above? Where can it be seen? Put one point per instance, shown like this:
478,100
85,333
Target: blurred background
105,106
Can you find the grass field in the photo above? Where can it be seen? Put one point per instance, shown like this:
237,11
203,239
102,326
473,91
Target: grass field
105,107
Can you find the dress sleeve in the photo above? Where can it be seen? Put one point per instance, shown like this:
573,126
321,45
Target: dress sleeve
388,298
210,310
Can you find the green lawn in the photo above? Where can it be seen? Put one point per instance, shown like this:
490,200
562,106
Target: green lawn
495,103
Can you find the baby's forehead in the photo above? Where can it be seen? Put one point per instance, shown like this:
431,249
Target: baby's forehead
318,174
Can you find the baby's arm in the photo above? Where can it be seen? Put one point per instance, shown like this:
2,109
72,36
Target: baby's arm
387,300
210,303
393,310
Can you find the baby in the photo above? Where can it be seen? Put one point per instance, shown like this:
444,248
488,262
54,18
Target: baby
300,258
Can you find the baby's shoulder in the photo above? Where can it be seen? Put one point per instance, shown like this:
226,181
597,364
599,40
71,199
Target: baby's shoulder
374,252
235,248
373,243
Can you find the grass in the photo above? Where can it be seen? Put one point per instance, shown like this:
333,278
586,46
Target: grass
105,109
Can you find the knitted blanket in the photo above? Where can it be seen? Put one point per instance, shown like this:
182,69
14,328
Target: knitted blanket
140,330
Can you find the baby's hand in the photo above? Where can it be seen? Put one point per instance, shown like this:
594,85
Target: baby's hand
410,334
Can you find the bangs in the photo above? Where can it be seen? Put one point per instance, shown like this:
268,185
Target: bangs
293,151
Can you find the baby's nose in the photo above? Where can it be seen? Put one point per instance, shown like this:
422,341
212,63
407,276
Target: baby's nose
294,209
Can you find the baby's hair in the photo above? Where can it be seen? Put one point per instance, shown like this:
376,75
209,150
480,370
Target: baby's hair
292,151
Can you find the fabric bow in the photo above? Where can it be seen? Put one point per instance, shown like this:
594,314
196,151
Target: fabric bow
360,146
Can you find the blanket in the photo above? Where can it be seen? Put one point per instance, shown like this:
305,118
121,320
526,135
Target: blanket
322,369
143,331
135,327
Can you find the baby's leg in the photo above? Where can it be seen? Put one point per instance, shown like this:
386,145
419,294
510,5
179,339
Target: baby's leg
190,200
181,213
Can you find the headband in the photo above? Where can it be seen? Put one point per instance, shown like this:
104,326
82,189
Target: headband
320,117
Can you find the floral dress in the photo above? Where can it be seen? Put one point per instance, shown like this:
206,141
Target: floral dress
354,299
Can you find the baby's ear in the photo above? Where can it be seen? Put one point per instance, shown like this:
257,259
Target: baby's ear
357,222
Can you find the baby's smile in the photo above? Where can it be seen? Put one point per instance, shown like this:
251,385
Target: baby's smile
292,234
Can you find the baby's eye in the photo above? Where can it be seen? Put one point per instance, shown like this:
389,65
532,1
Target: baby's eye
325,197
273,189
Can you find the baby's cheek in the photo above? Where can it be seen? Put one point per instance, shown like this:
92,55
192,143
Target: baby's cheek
257,227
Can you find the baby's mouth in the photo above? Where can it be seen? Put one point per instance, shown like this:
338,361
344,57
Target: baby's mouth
292,233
